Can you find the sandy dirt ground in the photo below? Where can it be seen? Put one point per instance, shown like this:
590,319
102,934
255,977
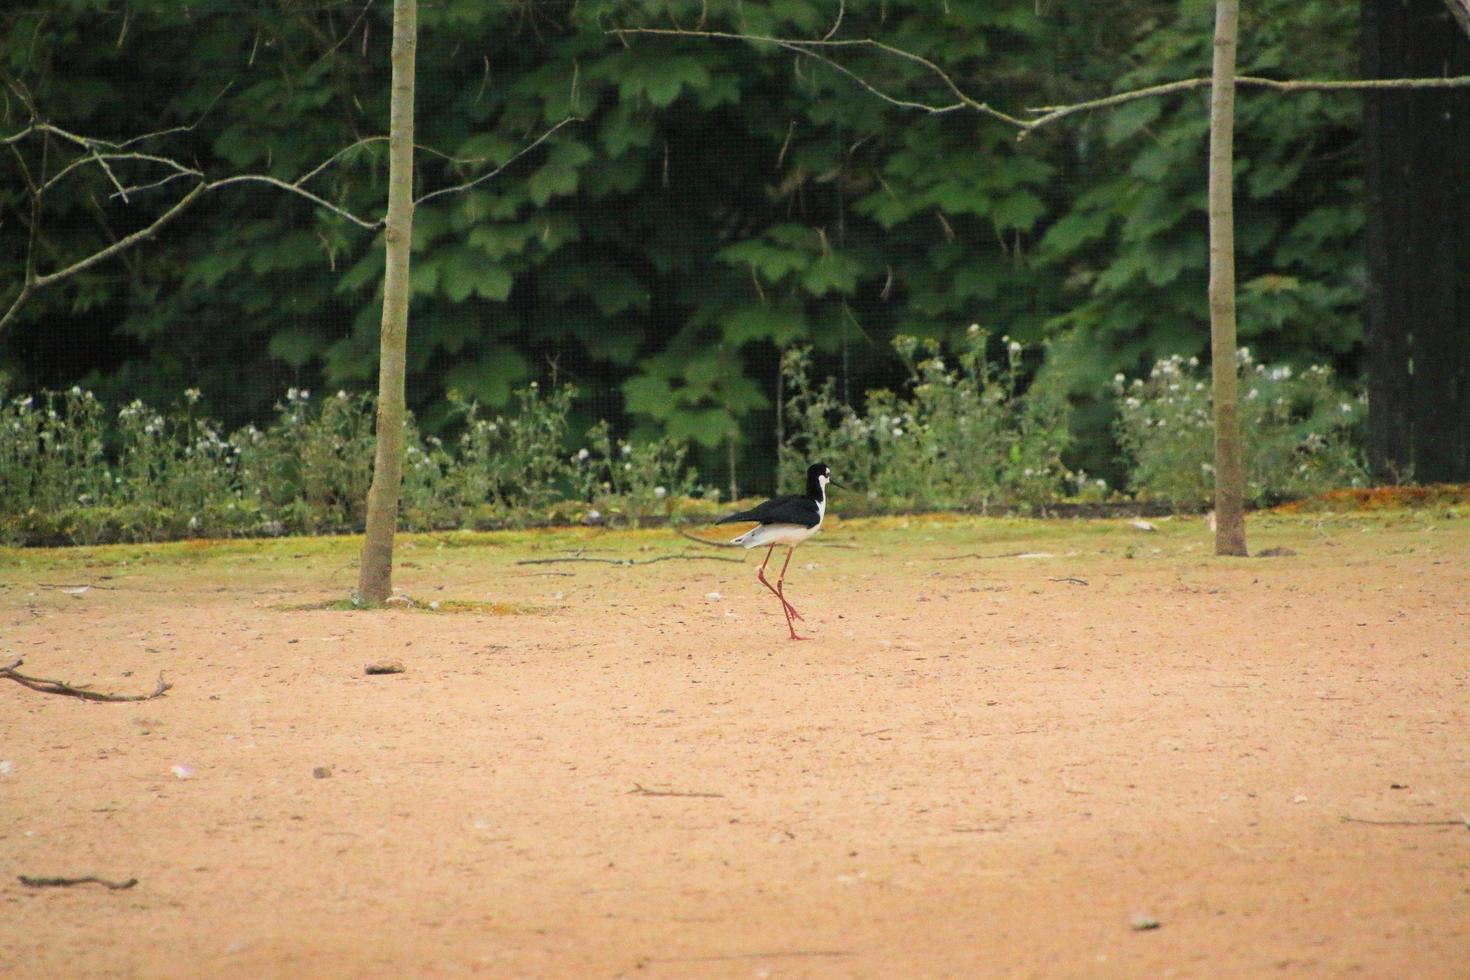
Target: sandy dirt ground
1006,746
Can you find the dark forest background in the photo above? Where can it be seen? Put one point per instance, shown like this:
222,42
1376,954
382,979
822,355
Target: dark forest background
713,204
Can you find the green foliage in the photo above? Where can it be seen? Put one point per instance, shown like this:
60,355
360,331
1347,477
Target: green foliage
312,467
1297,428
69,475
1131,245
51,451
710,204
629,482
966,436
513,464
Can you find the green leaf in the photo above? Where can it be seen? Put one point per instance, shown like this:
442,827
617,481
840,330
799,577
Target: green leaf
660,79
558,177
707,427
780,325
832,273
465,272
295,347
489,378
1072,231
648,395
423,277
1020,211
1129,118
773,262
623,130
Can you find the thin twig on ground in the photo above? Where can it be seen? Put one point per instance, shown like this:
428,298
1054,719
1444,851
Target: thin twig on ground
771,955
712,544
976,554
624,561
62,585
1069,578
640,790
61,687
33,882
1462,822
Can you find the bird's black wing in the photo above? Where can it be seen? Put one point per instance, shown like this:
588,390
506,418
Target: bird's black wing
791,509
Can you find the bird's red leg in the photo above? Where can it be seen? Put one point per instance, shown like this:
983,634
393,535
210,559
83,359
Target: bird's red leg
786,608
760,573
790,550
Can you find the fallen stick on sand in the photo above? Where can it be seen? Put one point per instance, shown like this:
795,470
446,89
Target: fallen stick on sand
61,687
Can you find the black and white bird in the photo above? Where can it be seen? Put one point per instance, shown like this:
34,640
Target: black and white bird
787,520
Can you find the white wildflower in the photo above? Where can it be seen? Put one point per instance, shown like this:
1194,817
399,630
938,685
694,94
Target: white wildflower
193,395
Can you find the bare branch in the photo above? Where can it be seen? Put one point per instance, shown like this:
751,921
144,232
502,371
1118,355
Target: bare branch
457,188
105,152
102,159
1045,115
337,156
812,49
294,189
90,142
21,296
873,89
1050,114
34,282
121,244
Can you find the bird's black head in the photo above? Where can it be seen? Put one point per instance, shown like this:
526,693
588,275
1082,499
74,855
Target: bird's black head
818,475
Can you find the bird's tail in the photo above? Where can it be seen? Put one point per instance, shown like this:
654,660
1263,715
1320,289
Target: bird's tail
746,540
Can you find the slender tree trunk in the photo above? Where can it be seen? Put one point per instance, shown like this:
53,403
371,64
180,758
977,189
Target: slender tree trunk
1229,463
375,576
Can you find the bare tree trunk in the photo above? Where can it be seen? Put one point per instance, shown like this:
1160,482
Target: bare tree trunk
1229,462
375,576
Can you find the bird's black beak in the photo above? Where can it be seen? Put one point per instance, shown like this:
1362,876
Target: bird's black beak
834,483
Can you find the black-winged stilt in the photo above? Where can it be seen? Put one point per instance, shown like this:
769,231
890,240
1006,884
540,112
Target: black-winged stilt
787,520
